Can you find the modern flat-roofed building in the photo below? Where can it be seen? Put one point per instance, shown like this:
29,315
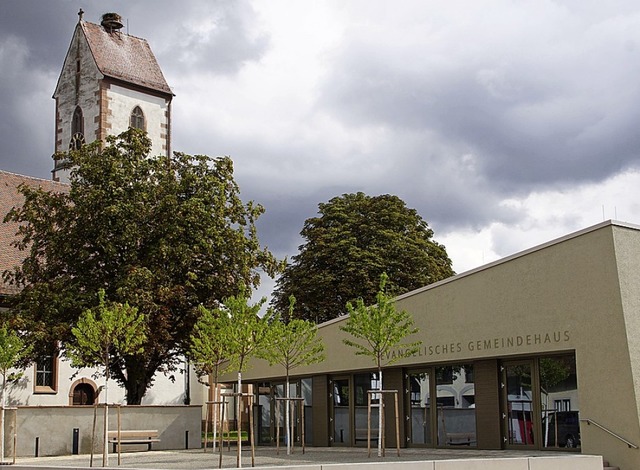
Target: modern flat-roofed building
540,350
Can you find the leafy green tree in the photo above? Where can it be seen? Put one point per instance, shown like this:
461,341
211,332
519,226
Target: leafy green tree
349,245
106,331
209,350
165,234
246,334
292,345
12,349
376,331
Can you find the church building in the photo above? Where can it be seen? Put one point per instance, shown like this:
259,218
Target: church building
110,81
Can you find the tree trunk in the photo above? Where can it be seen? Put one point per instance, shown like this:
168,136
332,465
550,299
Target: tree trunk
2,415
216,398
287,416
239,420
135,374
380,411
138,378
135,392
105,451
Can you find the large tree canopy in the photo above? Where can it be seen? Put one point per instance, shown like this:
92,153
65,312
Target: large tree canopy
349,245
164,234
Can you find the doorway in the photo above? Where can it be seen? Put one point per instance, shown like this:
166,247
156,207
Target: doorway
539,399
341,413
83,394
520,405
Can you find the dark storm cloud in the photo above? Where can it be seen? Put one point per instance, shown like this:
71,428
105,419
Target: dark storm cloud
195,36
462,111
218,37
554,115
45,27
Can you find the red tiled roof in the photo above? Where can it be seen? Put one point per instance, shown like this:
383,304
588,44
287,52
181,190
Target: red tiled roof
10,256
125,57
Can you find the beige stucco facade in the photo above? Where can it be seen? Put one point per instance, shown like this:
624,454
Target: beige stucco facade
579,294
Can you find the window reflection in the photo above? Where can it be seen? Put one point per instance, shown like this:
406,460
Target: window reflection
559,401
419,396
520,403
455,399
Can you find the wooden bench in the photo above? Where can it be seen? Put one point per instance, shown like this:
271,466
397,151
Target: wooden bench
361,435
460,438
146,437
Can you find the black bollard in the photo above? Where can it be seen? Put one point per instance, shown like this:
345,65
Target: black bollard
76,441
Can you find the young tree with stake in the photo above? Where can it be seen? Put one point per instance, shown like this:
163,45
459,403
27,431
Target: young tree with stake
209,351
376,331
110,329
246,333
12,348
292,345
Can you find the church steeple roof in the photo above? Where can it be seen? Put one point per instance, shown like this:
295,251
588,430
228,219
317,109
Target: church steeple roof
124,57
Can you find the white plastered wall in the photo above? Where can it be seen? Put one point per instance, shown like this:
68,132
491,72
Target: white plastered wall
122,101
164,391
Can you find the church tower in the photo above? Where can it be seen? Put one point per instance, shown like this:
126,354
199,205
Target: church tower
110,81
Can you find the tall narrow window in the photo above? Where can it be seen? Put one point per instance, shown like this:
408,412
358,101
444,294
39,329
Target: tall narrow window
137,118
77,77
77,130
46,374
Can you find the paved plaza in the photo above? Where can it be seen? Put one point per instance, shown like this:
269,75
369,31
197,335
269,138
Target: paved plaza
267,457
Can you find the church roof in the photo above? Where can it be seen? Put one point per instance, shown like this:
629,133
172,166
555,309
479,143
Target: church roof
124,57
10,197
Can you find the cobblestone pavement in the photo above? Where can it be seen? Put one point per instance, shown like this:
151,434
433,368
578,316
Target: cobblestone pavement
266,457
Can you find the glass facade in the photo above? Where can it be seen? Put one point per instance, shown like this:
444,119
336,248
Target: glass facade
541,402
362,384
455,399
526,403
453,414
520,410
559,402
341,422
420,403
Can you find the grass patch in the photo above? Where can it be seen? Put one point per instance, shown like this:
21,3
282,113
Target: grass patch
228,435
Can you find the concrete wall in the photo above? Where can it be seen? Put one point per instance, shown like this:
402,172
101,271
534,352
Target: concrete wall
53,427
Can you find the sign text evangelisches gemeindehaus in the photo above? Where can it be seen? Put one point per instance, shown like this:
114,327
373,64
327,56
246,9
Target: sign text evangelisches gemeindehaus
551,337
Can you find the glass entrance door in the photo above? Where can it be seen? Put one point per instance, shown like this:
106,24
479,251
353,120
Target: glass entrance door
420,408
341,426
520,406
281,405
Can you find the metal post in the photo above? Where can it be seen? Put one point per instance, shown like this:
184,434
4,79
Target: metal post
251,436
206,427
369,425
395,395
277,427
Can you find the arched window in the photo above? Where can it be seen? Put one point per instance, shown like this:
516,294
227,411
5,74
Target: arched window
77,130
137,118
77,124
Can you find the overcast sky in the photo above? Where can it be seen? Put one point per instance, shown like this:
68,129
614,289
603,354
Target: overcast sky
504,123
